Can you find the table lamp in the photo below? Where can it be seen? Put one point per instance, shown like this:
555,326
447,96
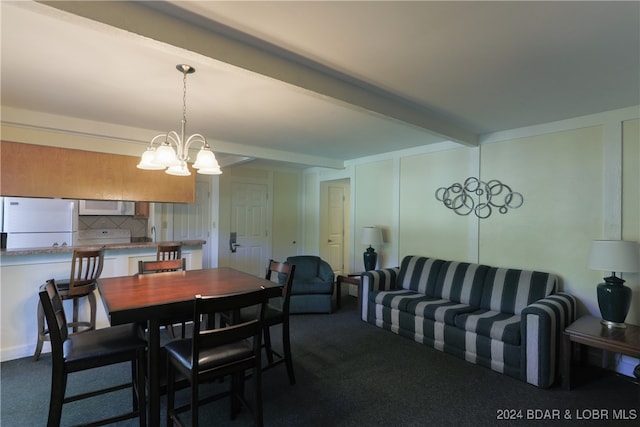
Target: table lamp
371,236
614,298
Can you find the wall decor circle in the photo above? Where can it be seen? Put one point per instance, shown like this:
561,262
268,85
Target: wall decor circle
479,197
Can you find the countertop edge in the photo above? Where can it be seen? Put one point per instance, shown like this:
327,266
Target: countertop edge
112,247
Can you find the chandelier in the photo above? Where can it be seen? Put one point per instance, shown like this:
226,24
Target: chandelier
174,161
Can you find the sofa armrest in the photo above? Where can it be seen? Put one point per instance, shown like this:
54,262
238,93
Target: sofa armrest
375,280
542,326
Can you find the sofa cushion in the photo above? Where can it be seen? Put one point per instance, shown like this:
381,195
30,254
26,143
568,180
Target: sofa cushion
438,309
510,291
460,282
417,273
396,299
493,324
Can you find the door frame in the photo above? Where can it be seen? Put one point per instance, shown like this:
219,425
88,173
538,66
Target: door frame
224,218
323,220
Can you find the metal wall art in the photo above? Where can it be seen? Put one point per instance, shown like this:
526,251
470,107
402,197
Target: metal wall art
479,197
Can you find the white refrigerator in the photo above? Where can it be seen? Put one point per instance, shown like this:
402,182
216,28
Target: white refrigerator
38,223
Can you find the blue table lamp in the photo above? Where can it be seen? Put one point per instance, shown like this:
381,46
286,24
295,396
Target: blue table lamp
614,298
371,236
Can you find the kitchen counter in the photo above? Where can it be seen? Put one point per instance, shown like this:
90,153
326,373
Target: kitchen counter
114,247
22,271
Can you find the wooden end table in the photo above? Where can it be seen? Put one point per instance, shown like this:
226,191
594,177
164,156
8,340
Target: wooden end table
352,279
588,331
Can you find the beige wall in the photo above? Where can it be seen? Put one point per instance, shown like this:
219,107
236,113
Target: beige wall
560,176
579,179
286,206
427,227
374,187
631,204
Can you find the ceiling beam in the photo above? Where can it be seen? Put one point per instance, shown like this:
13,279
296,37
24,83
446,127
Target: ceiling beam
196,34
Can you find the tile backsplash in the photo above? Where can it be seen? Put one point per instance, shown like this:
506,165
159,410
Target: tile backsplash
137,226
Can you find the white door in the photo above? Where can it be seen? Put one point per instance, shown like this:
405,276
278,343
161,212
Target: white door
191,221
249,223
333,201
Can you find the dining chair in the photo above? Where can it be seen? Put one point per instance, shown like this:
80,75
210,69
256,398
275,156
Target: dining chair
93,349
151,267
213,353
147,267
168,251
276,313
86,267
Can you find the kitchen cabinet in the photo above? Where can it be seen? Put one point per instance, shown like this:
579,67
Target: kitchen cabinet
29,170
141,210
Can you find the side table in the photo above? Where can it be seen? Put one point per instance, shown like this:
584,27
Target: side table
588,331
352,279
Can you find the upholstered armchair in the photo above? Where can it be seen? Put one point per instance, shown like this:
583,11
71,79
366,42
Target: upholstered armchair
312,288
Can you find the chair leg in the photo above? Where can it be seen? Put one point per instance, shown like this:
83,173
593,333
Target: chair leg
42,332
257,375
267,345
170,394
75,314
237,393
92,307
195,397
170,331
58,388
141,387
286,343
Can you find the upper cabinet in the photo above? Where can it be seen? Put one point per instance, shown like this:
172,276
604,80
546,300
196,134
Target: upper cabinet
29,170
141,210
105,207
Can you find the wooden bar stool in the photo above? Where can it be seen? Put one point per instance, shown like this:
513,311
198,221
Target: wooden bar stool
86,267
168,251
94,349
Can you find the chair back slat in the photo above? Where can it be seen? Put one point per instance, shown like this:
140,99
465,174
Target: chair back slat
147,267
167,251
208,336
285,273
54,315
86,268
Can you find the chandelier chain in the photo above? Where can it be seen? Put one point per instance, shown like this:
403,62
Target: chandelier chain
184,96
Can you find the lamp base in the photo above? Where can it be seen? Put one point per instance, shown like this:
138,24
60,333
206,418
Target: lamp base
614,300
370,258
610,324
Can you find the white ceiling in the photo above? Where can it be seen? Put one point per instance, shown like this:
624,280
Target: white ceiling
318,83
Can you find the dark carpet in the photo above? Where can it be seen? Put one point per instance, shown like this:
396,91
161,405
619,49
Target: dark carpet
350,373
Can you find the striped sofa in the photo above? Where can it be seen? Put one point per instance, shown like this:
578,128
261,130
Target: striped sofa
505,319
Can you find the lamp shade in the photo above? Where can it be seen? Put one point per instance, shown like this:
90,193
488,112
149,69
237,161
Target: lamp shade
146,162
206,159
178,170
166,156
614,256
371,236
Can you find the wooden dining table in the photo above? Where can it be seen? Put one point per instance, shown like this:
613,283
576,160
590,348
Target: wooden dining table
152,298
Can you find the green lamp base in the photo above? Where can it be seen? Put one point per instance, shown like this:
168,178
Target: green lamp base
370,258
614,300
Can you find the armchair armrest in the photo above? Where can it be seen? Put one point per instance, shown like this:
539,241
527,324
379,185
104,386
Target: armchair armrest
375,280
542,325
325,272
